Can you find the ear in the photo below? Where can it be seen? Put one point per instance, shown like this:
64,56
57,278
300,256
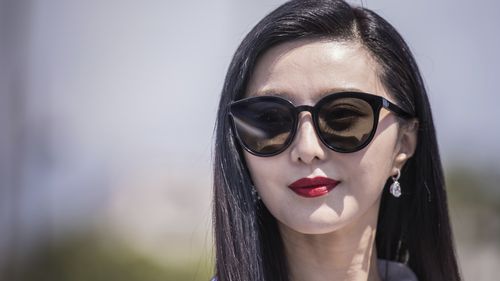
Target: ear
407,143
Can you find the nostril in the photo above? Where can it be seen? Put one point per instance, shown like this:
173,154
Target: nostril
307,160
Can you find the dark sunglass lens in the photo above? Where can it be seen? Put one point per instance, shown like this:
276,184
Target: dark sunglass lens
263,127
346,123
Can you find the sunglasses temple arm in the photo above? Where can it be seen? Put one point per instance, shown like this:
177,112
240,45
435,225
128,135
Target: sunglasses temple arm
396,109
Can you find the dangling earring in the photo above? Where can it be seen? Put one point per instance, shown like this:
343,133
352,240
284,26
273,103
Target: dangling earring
395,188
255,194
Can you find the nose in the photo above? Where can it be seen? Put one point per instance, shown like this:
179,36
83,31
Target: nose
307,147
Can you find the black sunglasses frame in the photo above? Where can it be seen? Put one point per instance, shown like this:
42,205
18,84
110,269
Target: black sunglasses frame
376,103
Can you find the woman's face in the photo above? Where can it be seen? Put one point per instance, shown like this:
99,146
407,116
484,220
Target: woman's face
304,72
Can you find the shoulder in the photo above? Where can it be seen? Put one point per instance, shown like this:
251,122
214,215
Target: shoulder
391,270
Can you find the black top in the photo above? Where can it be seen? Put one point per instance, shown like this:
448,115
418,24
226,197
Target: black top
395,271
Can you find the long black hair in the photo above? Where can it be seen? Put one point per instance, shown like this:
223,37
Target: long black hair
413,229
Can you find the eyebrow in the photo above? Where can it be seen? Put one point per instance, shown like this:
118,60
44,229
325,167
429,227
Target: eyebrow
275,93
290,97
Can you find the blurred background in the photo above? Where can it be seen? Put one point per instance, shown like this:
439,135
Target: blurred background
107,110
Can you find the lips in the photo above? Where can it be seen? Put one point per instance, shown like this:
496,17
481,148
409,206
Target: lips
313,187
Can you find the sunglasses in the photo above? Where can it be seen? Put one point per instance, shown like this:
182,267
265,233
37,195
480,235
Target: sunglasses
344,122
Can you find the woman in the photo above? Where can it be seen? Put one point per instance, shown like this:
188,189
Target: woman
326,160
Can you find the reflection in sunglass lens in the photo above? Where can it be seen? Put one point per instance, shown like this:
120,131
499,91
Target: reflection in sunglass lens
345,123
263,127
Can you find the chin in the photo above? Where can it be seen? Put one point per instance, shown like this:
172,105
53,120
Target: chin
314,226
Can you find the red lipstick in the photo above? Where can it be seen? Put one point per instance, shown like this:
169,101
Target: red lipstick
313,187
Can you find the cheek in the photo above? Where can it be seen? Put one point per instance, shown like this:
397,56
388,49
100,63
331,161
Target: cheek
269,176
263,170
371,170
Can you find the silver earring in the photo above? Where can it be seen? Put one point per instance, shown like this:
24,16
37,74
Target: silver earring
255,194
395,188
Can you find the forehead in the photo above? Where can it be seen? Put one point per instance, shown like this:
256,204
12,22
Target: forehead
303,71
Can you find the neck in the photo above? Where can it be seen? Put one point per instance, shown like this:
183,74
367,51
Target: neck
345,254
